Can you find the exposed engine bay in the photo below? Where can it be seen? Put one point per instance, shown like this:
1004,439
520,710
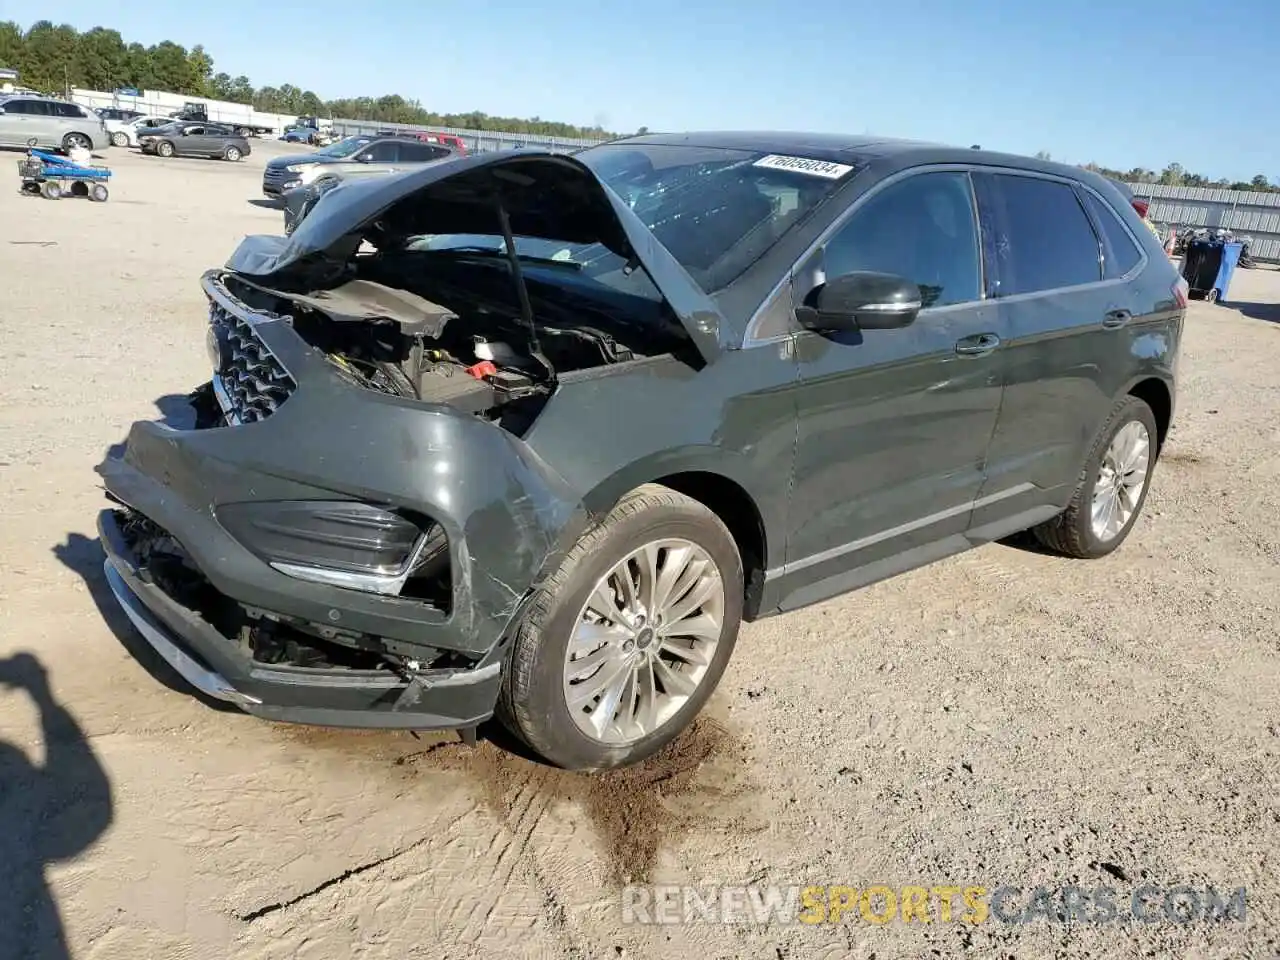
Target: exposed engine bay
446,329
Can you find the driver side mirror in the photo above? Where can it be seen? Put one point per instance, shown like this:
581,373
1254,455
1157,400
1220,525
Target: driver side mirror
861,301
365,158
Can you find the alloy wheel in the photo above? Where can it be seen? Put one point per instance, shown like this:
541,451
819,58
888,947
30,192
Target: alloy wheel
644,641
1122,476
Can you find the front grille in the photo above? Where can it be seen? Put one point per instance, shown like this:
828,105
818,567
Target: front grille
251,383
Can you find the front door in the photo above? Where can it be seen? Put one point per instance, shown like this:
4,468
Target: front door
195,141
894,425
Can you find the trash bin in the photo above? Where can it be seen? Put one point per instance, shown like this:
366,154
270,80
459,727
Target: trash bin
1208,266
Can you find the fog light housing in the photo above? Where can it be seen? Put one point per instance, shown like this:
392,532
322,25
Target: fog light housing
357,546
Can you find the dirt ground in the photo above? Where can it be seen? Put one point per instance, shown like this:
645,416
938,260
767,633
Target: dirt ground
1004,717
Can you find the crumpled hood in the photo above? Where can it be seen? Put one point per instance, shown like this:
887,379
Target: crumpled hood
545,195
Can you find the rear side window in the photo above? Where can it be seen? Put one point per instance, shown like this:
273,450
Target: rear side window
420,151
69,110
1119,253
1043,238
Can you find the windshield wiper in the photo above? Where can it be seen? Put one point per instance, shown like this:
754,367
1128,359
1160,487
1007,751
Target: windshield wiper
502,255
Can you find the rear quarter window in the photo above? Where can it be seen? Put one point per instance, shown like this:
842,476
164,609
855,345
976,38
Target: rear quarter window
1119,253
1043,239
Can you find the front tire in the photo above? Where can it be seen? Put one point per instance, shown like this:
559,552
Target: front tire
164,149
73,140
119,139
1112,487
627,640
231,153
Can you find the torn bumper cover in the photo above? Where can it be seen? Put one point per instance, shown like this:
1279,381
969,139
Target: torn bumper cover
505,514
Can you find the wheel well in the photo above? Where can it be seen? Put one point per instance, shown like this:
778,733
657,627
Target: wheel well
735,508
1155,394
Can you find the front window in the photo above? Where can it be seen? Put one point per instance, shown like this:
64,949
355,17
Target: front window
345,148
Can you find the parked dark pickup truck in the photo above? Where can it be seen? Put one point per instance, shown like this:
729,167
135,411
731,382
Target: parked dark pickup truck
533,434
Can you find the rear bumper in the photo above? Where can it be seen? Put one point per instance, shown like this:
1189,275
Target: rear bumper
344,698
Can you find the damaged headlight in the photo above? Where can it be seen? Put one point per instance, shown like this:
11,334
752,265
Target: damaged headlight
353,545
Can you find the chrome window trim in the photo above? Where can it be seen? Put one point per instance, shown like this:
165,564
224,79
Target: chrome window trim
750,340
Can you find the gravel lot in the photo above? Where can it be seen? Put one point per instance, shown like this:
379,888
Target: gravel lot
1004,717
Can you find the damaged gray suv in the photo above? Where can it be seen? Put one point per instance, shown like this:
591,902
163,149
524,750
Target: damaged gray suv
531,434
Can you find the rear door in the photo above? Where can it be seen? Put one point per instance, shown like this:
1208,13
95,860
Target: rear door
1059,271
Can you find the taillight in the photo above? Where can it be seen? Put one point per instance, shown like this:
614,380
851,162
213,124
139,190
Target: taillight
1180,292
1142,206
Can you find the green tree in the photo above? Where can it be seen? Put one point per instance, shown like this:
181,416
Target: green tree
49,60
10,45
201,66
219,86
103,59
1260,182
171,68
241,90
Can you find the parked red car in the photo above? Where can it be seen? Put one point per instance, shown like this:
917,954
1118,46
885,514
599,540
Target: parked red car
444,139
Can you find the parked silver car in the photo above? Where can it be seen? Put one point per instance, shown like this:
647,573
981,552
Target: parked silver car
51,123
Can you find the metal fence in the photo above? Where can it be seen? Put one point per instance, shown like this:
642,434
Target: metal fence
1244,213
477,141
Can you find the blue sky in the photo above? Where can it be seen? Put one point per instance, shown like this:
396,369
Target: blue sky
1125,82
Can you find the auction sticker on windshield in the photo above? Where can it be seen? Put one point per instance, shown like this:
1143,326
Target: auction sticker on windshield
814,168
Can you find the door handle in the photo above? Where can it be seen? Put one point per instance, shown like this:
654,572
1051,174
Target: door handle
1115,319
979,345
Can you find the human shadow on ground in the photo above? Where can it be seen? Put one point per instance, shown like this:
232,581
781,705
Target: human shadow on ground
49,812
85,556
1270,312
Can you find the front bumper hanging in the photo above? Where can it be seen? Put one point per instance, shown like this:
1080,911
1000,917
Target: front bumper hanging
210,662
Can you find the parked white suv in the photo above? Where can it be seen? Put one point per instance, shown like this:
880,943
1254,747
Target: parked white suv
125,133
56,124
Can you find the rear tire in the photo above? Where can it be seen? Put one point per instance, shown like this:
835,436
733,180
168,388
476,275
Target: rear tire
119,139
164,149
51,190
1074,532
534,702
98,193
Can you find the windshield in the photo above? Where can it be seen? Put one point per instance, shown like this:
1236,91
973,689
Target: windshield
344,148
717,211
